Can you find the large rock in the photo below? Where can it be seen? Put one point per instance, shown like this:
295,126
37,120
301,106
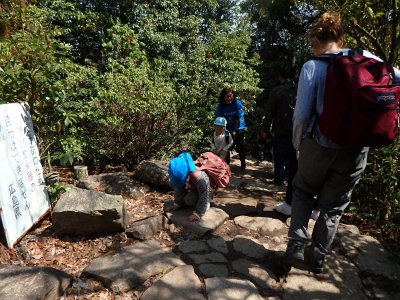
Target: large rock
82,212
146,228
153,172
117,183
32,283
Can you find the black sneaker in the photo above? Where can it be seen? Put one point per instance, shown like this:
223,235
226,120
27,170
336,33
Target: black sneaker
315,265
294,255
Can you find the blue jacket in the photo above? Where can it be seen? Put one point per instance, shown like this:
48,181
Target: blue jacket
233,113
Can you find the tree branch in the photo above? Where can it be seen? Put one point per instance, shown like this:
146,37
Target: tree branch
395,40
374,41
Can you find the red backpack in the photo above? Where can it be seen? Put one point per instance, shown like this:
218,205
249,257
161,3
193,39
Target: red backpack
217,169
361,104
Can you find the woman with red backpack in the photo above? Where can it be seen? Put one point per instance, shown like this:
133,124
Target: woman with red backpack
325,168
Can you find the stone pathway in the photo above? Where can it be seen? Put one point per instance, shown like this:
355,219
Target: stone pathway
233,253
211,266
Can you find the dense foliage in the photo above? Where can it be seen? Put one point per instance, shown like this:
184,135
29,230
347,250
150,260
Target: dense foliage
121,81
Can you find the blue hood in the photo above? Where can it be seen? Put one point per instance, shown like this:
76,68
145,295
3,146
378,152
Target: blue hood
179,168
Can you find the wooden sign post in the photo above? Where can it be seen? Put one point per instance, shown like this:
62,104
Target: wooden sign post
23,193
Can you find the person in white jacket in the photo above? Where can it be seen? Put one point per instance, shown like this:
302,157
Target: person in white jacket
221,140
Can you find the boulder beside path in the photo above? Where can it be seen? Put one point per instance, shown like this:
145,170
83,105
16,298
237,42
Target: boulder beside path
83,212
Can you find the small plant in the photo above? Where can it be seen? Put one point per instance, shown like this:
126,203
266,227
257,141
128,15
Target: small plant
55,190
378,194
71,152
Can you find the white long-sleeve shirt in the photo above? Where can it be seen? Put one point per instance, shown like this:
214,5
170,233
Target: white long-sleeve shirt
219,143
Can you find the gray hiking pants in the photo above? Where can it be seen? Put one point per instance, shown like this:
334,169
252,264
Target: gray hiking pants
331,174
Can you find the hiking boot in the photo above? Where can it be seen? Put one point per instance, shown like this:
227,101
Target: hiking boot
294,255
283,208
314,265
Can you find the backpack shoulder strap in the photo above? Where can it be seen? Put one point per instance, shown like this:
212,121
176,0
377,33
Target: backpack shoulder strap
329,56
325,57
356,52
227,136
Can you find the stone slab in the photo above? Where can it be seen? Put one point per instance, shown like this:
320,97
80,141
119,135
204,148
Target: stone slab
179,284
192,246
213,257
340,280
231,289
211,220
263,225
214,270
130,266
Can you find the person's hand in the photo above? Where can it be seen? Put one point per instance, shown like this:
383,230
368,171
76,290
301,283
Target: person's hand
297,154
193,218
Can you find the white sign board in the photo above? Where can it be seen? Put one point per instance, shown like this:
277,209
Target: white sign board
23,194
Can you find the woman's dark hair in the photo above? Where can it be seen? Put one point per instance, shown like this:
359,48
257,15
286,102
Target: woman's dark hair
225,91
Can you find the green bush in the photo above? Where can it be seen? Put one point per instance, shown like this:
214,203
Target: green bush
377,195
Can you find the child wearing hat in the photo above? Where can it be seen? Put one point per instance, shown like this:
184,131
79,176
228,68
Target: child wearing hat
191,186
221,140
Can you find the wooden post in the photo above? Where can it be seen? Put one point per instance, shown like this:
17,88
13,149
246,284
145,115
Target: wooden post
80,172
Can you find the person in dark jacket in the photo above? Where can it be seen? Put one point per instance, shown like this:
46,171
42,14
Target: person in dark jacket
278,116
279,113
